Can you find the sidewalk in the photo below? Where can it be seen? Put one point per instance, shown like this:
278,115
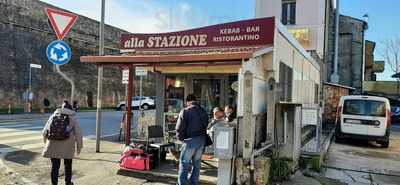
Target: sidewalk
89,168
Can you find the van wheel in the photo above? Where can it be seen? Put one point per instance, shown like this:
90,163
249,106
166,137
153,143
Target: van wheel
385,144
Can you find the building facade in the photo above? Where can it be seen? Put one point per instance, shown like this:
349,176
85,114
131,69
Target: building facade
371,66
312,22
351,52
305,19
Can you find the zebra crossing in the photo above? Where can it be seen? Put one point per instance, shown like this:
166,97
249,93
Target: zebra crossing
17,136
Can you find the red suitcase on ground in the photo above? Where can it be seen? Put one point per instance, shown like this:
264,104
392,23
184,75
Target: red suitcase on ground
136,159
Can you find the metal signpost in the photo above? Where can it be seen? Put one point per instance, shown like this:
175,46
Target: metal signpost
140,71
100,78
30,94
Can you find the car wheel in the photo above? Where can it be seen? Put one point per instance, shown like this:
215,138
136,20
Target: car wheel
122,107
385,144
145,106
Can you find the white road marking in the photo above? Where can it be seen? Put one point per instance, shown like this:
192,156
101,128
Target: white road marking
21,130
15,134
22,139
13,125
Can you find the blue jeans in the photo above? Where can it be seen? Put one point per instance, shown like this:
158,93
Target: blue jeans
191,151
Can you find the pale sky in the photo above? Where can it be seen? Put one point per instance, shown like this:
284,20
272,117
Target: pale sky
146,16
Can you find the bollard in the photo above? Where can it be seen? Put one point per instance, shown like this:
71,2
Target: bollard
9,108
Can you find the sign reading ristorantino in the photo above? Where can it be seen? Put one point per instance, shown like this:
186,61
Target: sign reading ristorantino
255,32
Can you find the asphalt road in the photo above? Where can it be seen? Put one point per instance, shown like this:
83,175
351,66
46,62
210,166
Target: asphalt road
362,162
25,134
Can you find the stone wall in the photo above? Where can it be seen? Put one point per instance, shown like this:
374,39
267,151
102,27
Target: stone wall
351,40
25,33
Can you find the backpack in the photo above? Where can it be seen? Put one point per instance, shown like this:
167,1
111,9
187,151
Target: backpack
59,127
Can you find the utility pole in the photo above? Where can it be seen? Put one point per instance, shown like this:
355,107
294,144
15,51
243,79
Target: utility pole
100,78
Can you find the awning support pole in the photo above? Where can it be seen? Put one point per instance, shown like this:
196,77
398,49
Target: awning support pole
99,105
129,106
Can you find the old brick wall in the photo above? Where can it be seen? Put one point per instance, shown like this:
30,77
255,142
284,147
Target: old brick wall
25,33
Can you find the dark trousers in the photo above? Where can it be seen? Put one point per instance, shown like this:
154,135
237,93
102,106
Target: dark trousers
55,167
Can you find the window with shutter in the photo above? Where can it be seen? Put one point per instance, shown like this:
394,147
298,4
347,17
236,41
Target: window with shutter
288,12
286,82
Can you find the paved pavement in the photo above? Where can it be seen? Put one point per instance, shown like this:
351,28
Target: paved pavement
360,162
21,145
90,168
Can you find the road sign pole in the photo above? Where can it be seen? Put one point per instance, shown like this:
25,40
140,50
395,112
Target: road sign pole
100,78
140,94
29,89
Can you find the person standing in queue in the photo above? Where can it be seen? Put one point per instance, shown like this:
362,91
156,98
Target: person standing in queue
191,129
61,135
230,113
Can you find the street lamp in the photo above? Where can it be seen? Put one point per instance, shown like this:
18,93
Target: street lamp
30,96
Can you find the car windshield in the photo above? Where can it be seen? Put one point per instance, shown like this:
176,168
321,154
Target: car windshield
364,108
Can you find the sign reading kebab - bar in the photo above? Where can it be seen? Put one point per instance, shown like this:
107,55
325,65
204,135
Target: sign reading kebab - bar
255,32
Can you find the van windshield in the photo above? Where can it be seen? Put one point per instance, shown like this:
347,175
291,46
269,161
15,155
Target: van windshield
364,108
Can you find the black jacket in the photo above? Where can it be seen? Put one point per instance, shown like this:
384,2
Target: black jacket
192,122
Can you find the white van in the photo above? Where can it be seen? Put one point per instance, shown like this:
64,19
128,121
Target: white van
364,117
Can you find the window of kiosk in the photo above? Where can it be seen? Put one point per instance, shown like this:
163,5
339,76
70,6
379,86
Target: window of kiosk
173,104
208,93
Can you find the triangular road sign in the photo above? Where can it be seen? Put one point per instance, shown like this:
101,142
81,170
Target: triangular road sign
61,21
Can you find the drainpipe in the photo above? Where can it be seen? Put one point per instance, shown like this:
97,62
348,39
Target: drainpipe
335,76
365,27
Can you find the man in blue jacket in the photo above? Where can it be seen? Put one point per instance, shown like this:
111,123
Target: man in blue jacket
191,129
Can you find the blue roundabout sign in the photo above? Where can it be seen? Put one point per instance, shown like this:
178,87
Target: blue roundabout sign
58,52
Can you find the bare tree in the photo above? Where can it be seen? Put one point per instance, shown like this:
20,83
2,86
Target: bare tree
391,54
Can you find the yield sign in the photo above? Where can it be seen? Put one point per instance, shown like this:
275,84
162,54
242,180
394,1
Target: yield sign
61,21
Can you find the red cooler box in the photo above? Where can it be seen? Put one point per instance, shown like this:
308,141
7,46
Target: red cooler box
136,159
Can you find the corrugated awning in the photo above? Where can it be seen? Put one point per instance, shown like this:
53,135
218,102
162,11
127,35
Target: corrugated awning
200,57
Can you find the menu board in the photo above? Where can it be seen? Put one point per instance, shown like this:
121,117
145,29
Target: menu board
310,117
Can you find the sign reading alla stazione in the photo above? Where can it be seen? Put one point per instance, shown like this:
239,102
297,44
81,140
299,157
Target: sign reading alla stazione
247,33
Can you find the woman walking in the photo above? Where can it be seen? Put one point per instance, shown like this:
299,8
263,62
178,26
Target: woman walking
62,135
